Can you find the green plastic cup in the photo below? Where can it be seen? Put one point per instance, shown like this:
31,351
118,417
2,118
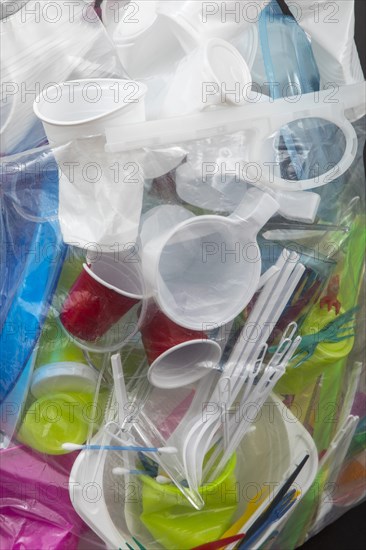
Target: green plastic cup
60,418
61,365
175,524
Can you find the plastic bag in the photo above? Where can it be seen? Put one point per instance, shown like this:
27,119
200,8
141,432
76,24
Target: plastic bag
45,43
176,365
337,59
32,491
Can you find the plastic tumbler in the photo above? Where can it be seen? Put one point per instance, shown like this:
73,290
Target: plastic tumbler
62,367
177,356
204,269
104,291
80,108
213,74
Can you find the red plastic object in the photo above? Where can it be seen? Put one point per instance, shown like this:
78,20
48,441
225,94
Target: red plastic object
160,334
91,308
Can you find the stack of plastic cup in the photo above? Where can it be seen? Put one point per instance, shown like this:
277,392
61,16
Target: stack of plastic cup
64,386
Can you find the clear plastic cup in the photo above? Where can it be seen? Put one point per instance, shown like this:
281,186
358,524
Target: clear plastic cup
204,269
145,43
214,73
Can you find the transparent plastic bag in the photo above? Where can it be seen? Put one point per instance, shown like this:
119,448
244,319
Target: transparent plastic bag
213,368
44,43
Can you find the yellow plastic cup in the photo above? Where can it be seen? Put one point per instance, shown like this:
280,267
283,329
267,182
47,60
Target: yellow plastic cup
175,524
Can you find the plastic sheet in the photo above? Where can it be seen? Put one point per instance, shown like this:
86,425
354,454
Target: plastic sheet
197,334
45,43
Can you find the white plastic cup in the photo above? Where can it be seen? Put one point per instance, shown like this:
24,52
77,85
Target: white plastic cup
195,21
81,108
92,208
213,74
177,356
204,269
145,42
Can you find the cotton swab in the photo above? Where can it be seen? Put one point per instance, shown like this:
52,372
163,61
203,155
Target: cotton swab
136,449
119,471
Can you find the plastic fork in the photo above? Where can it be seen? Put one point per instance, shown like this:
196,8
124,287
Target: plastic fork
291,274
278,363
336,331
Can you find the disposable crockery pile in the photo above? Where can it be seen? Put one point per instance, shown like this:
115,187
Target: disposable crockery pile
182,253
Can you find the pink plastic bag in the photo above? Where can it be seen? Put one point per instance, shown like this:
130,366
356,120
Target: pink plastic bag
35,507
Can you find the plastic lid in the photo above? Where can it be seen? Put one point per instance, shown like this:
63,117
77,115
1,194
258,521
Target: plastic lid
63,377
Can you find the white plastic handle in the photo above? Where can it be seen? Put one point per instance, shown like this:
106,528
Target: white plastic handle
336,171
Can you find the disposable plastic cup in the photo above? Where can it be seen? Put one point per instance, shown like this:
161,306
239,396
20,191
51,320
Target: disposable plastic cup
168,516
177,356
215,73
195,21
62,368
145,43
81,108
91,208
104,291
204,269
48,424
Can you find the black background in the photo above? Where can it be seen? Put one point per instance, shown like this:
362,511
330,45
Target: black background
348,532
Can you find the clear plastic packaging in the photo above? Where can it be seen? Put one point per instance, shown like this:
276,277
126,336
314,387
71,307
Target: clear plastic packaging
45,43
206,358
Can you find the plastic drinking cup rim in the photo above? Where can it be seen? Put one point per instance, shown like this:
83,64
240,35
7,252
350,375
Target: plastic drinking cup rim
52,372
212,64
173,490
122,40
202,219
119,106
131,295
186,375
